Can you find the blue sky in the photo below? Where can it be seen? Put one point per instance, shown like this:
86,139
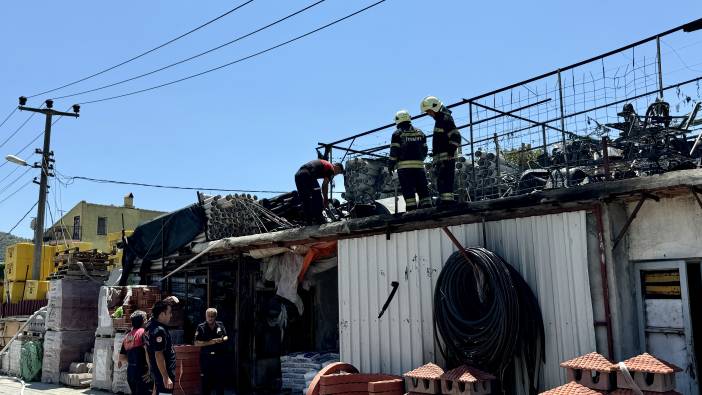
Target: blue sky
251,125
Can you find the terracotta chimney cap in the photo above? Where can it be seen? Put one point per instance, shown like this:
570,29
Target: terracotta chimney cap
467,374
572,388
429,371
592,361
647,363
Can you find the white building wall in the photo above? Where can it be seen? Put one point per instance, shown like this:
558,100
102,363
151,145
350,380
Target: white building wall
668,229
550,251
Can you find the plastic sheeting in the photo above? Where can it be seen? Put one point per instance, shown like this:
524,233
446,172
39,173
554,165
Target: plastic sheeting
172,231
31,360
283,269
60,349
102,363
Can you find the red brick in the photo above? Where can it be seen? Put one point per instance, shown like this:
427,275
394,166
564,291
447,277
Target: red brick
343,388
335,379
396,392
386,385
336,367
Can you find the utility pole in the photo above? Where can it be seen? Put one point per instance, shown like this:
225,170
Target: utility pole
45,166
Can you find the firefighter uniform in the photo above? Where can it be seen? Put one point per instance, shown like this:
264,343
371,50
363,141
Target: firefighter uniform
446,141
408,149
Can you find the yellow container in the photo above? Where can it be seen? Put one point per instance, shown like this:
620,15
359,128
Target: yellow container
47,261
14,291
35,290
18,261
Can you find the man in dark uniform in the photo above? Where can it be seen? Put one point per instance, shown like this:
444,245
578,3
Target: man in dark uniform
133,352
444,145
162,358
408,149
306,178
212,337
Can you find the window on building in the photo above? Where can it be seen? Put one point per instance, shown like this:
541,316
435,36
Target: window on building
102,226
76,228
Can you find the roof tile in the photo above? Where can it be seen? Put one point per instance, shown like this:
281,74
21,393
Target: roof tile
572,388
650,364
467,374
429,371
592,361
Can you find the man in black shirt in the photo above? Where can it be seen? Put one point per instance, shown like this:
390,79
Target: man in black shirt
133,352
212,337
313,200
162,356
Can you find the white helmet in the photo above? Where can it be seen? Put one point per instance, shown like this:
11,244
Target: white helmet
402,116
431,103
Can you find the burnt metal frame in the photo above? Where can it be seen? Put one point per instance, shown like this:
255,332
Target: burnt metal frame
687,27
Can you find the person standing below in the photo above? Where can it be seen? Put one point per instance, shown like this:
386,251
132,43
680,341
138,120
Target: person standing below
445,143
162,357
408,150
133,353
212,337
307,185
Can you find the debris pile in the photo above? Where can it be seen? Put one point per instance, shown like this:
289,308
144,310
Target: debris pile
367,180
239,215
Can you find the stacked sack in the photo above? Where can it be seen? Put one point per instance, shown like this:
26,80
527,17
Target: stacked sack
298,369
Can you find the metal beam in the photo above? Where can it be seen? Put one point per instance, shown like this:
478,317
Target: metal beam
620,236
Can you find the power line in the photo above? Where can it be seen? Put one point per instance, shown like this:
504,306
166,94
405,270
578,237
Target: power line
33,140
22,219
16,179
8,116
104,181
17,130
194,56
145,53
238,60
9,174
15,192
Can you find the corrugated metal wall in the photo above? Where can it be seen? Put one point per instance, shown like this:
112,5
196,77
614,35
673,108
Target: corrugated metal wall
550,251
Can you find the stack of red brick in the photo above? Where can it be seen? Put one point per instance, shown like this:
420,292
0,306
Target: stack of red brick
141,298
187,375
361,384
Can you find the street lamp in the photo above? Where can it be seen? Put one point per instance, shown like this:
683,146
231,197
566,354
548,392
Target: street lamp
16,160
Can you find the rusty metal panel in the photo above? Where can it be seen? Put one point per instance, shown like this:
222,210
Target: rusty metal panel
549,251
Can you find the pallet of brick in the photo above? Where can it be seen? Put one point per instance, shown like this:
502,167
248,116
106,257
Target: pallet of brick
72,305
61,348
74,264
119,375
102,363
187,370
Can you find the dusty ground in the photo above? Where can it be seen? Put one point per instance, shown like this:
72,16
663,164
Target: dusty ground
9,385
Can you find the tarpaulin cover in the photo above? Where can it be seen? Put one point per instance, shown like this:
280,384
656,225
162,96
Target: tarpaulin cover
30,361
172,231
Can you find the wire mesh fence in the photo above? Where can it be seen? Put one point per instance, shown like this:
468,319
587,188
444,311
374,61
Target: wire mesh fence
630,112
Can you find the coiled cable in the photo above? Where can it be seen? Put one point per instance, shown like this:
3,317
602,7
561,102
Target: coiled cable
486,316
